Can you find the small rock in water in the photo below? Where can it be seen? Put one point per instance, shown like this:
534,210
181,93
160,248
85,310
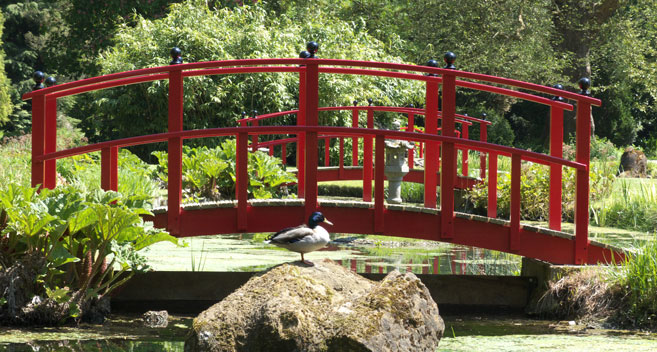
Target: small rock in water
155,319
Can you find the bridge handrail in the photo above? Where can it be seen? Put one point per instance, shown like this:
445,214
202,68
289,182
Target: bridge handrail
461,118
334,62
342,131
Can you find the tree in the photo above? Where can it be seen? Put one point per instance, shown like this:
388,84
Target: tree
217,101
5,98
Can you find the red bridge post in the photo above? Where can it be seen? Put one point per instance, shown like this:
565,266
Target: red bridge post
582,155
301,137
379,207
38,131
109,179
242,177
448,159
431,148
50,171
311,114
483,136
411,128
465,151
556,150
514,231
367,157
354,140
174,158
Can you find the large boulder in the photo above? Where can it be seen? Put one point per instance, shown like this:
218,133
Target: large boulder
321,308
633,163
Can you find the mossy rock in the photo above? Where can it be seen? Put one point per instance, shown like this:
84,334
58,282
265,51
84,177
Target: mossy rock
326,307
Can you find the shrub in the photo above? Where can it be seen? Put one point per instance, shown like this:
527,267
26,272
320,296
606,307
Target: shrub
77,241
535,191
209,173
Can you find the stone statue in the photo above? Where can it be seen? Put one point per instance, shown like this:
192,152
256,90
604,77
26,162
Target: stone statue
396,164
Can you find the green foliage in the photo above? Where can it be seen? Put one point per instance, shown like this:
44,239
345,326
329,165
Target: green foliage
6,105
217,101
636,278
83,237
209,173
632,205
535,191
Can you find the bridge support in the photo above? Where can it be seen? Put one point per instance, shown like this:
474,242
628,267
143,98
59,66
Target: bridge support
174,156
448,159
311,116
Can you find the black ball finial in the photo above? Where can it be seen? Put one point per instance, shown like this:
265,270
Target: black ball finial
556,97
411,106
449,58
51,81
312,48
484,115
38,78
243,114
255,114
304,55
584,84
355,102
432,63
370,101
176,56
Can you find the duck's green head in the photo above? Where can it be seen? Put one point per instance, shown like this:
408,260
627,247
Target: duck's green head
316,218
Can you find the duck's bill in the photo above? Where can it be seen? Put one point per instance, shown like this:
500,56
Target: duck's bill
328,222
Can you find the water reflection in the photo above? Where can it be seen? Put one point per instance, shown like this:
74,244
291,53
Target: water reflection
443,260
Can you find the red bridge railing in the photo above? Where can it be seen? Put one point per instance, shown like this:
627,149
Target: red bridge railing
307,131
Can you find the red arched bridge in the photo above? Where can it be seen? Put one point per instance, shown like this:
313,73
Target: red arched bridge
435,220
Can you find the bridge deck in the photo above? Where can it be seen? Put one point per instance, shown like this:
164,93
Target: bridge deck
402,220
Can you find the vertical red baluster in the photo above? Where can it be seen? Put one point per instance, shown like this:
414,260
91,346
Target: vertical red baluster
284,153
448,159
354,140
341,161
254,138
271,150
367,159
109,168
50,171
354,265
378,185
301,138
492,185
411,128
327,154
242,177
368,268
464,151
483,136
582,155
380,270
431,152
514,233
556,150
38,139
311,113
436,266
175,150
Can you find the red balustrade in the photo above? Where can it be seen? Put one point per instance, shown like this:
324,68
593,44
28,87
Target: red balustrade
307,132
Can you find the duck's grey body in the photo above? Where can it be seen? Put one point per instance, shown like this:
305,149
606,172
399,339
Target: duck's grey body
304,238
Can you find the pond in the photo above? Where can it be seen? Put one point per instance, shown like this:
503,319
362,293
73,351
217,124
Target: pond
375,254
462,333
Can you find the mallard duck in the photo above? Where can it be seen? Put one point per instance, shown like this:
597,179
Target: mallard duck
303,238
